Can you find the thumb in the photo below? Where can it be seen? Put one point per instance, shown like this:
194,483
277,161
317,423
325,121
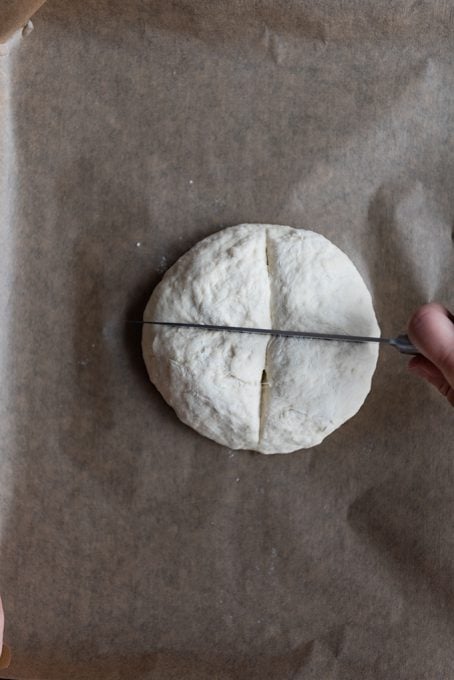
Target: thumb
431,329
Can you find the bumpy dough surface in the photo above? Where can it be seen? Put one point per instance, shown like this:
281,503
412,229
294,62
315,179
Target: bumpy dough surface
273,395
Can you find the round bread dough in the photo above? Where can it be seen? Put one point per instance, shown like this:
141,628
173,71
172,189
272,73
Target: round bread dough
268,394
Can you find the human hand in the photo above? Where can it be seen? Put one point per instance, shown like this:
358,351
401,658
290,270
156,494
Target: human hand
431,330
2,623
5,656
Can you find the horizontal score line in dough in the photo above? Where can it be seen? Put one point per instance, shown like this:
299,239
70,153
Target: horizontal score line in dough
272,395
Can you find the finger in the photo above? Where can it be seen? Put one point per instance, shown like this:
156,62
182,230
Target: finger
425,369
431,329
2,620
2,625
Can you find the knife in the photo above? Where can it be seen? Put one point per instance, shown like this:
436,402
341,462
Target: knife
401,342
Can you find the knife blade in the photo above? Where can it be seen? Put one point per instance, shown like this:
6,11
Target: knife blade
401,342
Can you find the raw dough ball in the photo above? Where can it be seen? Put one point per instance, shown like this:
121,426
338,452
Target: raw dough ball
269,394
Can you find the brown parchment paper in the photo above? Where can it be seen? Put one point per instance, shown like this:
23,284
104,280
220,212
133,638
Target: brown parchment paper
131,547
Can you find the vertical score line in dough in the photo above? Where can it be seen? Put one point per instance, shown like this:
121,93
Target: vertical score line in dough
264,385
